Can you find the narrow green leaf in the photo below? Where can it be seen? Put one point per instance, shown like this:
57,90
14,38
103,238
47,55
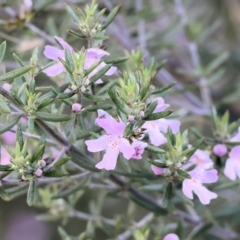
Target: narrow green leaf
111,17
4,128
164,89
68,192
72,14
81,123
99,106
37,155
45,103
53,117
167,195
100,73
55,173
69,60
2,50
4,195
61,162
183,174
150,108
113,95
157,163
154,149
125,164
76,34
128,129
18,59
116,60
171,137
15,73
155,116
6,168
19,137
214,116
94,66
32,193
93,98
4,108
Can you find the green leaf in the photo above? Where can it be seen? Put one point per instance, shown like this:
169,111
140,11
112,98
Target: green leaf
15,73
157,163
171,137
4,108
81,123
99,106
93,98
116,60
167,195
4,195
63,234
100,73
214,116
154,149
18,59
19,137
2,50
61,162
72,14
94,66
53,117
69,60
150,108
45,103
158,115
55,173
183,174
4,128
68,192
128,129
196,132
32,193
76,34
164,89
125,164
113,95
111,17
6,168
38,154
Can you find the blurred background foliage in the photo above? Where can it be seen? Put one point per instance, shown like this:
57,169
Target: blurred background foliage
158,28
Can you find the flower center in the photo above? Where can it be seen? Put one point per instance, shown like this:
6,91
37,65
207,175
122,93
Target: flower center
113,142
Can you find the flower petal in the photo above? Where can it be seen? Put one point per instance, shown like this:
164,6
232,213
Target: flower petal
156,137
209,176
109,160
97,145
204,195
161,106
171,236
187,188
158,170
55,70
164,124
53,53
235,152
229,170
126,148
63,43
97,52
111,71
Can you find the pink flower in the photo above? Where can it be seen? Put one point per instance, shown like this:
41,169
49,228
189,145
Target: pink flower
76,107
171,236
9,138
113,142
220,150
93,56
156,127
198,177
138,149
201,159
54,53
28,5
158,170
232,167
5,157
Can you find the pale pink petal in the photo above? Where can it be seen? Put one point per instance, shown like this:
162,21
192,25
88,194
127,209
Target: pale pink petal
204,195
97,145
187,188
164,124
5,157
9,138
99,81
161,106
111,126
171,236
97,52
220,150
209,176
235,152
126,148
109,160
53,53
63,43
156,137
55,70
229,170
111,71
158,170
97,69
202,159
27,4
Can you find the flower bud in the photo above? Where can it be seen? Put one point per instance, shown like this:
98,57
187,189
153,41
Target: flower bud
158,170
131,118
83,89
220,150
38,172
76,107
7,87
87,81
42,163
141,114
74,87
